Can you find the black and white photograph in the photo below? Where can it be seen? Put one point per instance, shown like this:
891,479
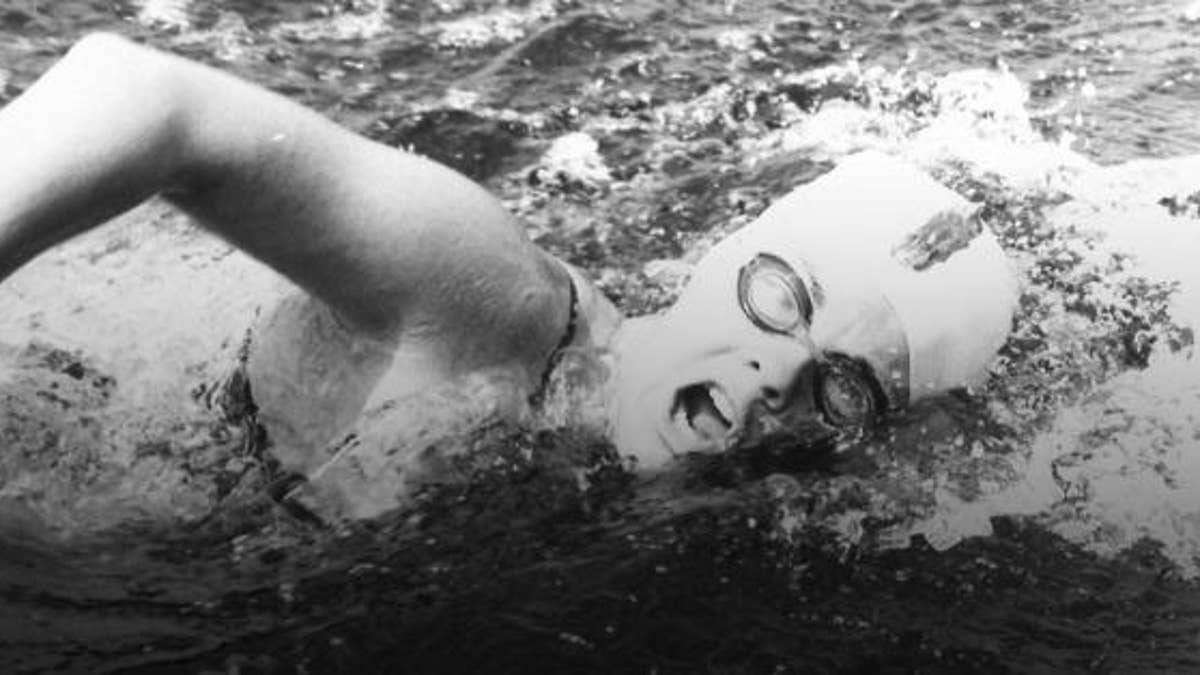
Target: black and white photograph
631,336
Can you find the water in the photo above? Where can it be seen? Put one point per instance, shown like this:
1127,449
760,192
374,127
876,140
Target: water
1073,462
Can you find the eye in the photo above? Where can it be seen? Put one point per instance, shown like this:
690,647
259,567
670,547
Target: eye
772,296
845,393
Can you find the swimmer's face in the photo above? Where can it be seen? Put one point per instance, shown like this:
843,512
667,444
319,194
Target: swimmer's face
761,343
815,319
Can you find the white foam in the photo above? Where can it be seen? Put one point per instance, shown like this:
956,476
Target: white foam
147,297
361,21
1124,462
165,14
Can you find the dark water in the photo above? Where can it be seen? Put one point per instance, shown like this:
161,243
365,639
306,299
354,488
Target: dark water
522,570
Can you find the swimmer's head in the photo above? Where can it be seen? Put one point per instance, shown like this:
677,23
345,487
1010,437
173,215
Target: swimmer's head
853,296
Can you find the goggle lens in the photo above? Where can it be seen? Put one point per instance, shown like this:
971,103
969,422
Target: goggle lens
772,296
775,298
845,395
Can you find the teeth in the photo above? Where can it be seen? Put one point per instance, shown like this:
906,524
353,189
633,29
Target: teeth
723,404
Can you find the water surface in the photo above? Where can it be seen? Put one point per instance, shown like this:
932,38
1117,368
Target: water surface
701,113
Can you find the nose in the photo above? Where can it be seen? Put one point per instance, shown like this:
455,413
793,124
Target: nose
775,365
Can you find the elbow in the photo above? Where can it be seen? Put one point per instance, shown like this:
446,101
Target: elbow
144,89
112,63
102,48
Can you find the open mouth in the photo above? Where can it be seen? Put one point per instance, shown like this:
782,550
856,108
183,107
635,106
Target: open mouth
706,409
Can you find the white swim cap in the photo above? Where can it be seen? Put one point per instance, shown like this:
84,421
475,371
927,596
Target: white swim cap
878,237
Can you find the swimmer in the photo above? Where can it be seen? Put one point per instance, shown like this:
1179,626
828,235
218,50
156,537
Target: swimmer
847,300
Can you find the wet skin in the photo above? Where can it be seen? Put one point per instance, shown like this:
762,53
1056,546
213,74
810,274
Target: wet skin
704,377
707,376
407,276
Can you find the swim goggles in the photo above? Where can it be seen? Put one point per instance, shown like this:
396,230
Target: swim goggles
776,299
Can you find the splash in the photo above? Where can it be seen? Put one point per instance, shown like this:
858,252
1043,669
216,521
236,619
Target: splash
359,20
499,27
101,433
1094,396
172,15
573,162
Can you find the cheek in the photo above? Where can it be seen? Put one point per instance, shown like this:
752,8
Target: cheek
713,325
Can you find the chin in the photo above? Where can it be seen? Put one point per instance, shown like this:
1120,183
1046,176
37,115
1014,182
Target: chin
653,426
654,410
637,434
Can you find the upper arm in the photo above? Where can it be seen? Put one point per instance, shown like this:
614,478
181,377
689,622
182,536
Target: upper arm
381,236
361,225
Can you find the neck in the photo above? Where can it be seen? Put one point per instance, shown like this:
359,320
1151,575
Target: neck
583,390
578,390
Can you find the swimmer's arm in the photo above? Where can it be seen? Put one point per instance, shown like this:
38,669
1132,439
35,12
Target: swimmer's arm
358,224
